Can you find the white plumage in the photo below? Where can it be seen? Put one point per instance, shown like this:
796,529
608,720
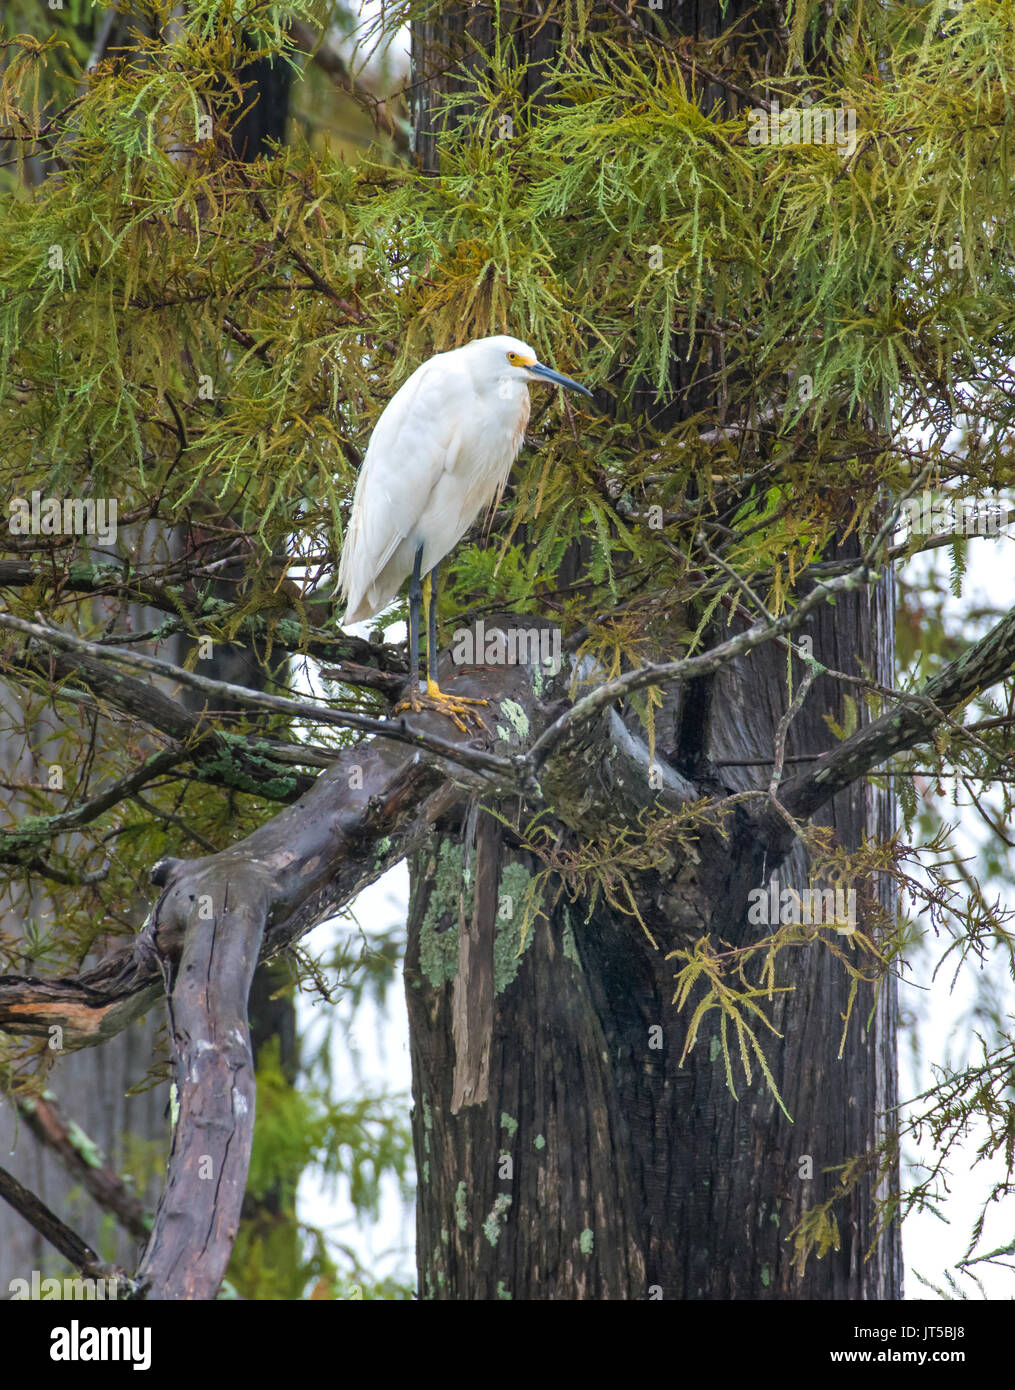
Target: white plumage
439,455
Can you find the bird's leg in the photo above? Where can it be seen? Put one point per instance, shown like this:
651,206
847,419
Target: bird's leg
430,606
456,707
415,599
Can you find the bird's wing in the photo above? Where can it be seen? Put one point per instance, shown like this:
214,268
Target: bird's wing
416,438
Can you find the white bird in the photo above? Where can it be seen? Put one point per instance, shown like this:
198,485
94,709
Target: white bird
440,453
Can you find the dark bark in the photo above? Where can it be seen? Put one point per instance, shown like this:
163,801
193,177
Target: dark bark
199,1212
597,1165
631,1175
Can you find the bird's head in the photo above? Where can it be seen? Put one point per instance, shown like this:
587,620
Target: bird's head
511,358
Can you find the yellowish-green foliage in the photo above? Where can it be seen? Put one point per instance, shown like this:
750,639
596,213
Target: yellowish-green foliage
180,265
296,1128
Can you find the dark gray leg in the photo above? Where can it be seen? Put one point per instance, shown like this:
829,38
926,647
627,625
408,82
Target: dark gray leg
415,603
430,603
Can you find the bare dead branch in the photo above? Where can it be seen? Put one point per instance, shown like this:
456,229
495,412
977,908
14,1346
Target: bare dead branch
79,1156
911,722
475,759
59,1235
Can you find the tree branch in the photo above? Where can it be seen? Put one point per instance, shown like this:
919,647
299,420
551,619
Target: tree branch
219,757
691,667
225,690
15,843
913,721
84,1162
59,1235
365,813
362,663
199,1211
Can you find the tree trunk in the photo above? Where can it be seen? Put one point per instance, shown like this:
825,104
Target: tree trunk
569,1153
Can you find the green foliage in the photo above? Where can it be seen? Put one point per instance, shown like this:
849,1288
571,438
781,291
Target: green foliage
300,1128
295,1127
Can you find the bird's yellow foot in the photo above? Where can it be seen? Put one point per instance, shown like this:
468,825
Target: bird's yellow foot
456,707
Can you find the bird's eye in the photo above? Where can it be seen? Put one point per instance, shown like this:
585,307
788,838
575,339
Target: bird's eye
513,358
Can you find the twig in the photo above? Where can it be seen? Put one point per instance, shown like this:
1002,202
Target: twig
86,811
693,667
59,1235
474,758
83,1161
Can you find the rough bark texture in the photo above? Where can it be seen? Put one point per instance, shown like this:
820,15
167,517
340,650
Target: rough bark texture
598,1166
199,1212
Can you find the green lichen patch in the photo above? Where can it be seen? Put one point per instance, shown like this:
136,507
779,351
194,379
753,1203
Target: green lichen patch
85,1147
518,721
586,1241
509,1123
567,942
427,1123
539,1142
461,1215
438,934
508,946
494,1223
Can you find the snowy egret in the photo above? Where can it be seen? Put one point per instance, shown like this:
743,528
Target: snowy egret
440,452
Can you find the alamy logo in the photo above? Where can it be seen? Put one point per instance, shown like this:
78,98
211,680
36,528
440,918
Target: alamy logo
804,125
68,516
812,907
83,1343
67,1287
513,646
967,516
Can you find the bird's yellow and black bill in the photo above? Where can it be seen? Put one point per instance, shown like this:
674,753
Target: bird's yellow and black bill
547,374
